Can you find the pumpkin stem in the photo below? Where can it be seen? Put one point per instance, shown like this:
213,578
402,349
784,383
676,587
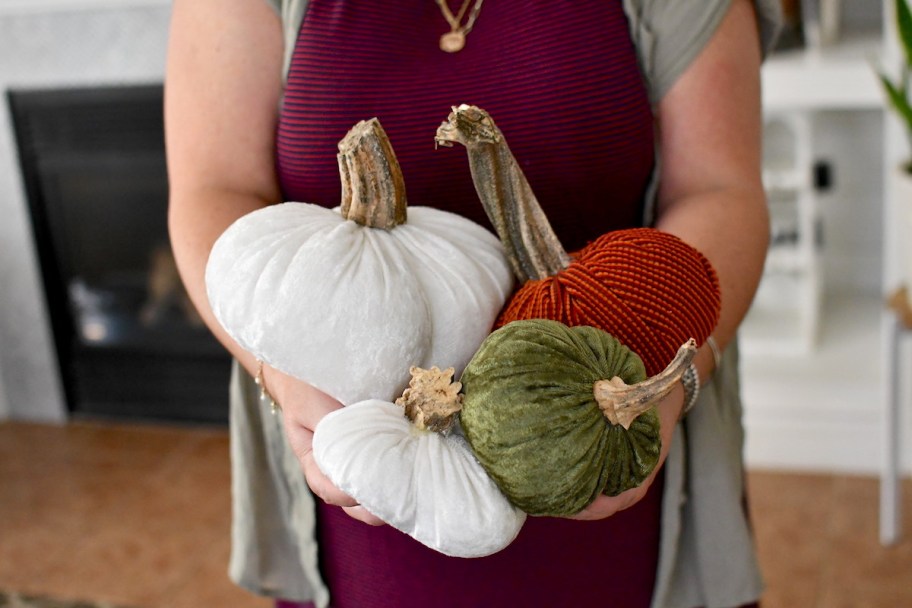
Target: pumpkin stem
432,399
531,245
373,190
622,403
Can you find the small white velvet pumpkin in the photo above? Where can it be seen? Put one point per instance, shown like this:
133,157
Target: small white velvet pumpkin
419,480
348,299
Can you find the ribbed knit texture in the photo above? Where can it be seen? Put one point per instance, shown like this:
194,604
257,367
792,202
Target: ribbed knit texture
647,288
559,76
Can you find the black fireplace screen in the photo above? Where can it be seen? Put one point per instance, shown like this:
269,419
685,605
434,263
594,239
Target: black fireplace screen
128,341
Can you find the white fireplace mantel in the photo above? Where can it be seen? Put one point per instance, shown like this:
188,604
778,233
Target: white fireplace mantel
34,6
45,44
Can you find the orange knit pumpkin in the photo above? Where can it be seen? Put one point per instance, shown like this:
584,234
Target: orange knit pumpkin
647,288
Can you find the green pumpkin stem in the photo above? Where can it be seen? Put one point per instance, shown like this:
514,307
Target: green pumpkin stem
432,399
531,245
622,403
373,190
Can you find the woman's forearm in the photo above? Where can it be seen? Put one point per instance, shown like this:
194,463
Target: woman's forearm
711,193
731,228
222,89
196,219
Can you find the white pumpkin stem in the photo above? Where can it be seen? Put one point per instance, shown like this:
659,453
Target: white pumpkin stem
373,190
432,399
531,245
622,403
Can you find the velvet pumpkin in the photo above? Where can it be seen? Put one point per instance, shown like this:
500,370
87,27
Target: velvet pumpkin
648,288
559,415
406,464
349,299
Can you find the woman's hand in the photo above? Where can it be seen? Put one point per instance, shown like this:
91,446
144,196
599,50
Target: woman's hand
224,87
303,406
711,192
669,410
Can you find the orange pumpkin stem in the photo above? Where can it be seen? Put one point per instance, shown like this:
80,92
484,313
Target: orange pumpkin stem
531,245
373,190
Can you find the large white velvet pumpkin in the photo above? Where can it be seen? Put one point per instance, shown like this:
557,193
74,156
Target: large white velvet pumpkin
349,306
425,483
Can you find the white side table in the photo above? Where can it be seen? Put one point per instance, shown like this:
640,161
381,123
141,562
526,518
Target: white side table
891,471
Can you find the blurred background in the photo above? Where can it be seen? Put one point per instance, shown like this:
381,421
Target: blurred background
113,403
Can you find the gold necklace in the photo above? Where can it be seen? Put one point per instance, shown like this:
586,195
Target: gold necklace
454,40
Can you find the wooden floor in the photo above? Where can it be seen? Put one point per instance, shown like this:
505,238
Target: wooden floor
139,516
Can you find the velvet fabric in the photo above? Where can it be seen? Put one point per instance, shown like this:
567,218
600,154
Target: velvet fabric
349,308
530,415
425,484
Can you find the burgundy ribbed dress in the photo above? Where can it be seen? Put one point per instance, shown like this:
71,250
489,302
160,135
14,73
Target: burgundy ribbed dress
561,79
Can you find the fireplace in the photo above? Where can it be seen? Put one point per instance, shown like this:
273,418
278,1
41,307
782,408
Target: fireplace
127,340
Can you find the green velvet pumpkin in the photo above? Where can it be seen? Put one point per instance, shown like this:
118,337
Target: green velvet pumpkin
531,416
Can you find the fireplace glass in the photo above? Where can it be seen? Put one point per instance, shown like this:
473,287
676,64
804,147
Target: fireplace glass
128,341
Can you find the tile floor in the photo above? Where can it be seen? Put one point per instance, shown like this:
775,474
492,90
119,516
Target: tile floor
139,515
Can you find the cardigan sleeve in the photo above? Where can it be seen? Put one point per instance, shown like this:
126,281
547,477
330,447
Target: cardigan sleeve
669,35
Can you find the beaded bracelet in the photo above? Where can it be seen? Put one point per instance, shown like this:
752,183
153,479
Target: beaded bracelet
691,378
691,381
274,406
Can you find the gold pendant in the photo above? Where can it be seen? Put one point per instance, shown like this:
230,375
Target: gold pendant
452,42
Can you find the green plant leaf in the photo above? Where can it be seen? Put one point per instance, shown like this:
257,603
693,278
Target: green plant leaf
904,26
898,100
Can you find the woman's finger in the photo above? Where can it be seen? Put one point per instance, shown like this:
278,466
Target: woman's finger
300,439
323,487
362,514
606,506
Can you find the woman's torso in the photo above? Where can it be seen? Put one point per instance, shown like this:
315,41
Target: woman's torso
560,78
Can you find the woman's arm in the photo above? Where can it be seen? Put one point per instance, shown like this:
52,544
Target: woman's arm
222,89
222,92
710,189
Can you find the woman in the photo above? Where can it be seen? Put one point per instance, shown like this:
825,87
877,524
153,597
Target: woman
586,92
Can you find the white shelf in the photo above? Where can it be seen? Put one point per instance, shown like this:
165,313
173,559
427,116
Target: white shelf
787,259
785,318
786,311
840,76
845,358
829,407
782,320
819,411
786,180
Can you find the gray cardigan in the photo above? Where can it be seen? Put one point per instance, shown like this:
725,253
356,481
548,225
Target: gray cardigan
707,556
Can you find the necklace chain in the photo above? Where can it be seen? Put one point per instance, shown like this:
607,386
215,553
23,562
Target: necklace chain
454,40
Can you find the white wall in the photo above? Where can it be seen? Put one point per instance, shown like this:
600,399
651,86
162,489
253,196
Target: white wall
43,44
4,408
851,141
